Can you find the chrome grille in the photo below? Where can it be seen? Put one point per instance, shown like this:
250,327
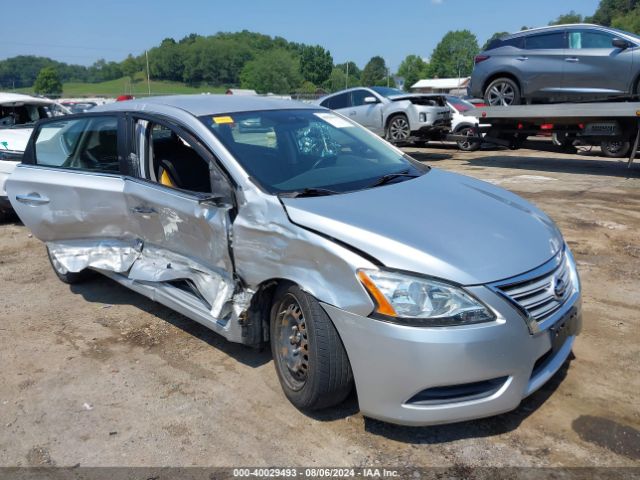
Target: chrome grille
539,295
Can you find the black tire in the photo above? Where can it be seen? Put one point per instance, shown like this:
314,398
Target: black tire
398,128
319,376
502,92
615,149
467,146
64,275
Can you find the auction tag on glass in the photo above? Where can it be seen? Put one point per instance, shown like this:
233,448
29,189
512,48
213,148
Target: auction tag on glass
220,120
334,120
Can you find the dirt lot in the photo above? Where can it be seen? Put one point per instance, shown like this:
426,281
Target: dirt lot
98,375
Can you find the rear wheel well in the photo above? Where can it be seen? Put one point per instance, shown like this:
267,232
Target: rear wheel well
495,76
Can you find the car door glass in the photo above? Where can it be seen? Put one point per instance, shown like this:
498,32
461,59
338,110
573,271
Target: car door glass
80,144
590,39
358,96
337,102
174,163
547,41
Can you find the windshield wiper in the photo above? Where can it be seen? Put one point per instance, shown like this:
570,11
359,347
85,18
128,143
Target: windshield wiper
392,176
309,192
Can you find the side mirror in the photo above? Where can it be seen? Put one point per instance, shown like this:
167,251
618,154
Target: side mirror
620,43
369,100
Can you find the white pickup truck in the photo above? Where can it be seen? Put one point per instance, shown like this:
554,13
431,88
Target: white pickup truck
18,114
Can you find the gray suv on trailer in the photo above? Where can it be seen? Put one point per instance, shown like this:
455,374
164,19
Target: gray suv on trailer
560,63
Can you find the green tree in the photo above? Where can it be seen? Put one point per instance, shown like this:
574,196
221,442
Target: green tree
629,22
352,73
608,10
48,82
316,64
375,72
337,81
275,71
131,66
453,56
495,36
571,17
412,68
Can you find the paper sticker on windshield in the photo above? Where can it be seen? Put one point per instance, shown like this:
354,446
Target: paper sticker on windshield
221,120
334,120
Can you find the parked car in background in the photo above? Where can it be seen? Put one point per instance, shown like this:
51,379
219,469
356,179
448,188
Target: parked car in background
559,63
440,297
463,124
392,113
79,107
18,114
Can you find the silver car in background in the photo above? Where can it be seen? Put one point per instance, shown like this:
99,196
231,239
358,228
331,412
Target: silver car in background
393,114
559,63
441,297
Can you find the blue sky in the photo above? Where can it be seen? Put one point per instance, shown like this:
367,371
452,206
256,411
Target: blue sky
81,31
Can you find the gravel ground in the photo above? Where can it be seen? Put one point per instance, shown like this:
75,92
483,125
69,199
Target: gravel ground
97,375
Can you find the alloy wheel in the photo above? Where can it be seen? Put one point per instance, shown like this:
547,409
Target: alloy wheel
399,129
501,94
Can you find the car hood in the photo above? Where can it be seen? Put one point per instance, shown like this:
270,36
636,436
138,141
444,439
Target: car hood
441,224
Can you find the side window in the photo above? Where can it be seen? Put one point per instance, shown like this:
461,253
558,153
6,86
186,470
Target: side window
590,39
337,102
358,96
517,42
547,41
82,144
173,162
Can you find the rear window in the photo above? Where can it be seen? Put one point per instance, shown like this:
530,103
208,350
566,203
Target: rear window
516,42
81,144
547,41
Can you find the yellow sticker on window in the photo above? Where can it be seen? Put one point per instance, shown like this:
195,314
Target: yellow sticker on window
220,120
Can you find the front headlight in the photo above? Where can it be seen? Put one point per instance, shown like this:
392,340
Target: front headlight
422,302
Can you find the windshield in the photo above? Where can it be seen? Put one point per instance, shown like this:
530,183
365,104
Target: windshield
388,92
297,150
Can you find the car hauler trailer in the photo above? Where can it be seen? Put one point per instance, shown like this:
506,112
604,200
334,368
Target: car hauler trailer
569,123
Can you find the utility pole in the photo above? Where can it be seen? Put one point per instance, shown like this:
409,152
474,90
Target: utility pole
346,82
146,54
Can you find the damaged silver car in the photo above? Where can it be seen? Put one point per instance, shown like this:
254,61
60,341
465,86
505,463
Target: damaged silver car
442,298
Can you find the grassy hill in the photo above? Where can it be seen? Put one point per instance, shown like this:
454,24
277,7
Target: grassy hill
123,85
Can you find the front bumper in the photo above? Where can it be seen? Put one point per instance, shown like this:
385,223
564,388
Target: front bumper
392,364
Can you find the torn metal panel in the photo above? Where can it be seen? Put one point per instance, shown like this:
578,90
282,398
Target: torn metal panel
266,245
107,254
216,287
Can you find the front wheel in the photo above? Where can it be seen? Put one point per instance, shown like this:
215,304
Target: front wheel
468,145
310,360
502,92
615,148
398,129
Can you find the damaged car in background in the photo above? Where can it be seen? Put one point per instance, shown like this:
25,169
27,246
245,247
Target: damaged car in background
18,115
393,114
275,222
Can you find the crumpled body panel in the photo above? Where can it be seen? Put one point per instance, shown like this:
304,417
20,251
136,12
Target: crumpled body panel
107,254
158,265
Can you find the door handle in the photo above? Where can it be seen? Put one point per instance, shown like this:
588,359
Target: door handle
522,59
572,59
33,199
141,209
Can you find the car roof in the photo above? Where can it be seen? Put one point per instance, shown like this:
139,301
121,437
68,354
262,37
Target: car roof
552,28
18,99
206,104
